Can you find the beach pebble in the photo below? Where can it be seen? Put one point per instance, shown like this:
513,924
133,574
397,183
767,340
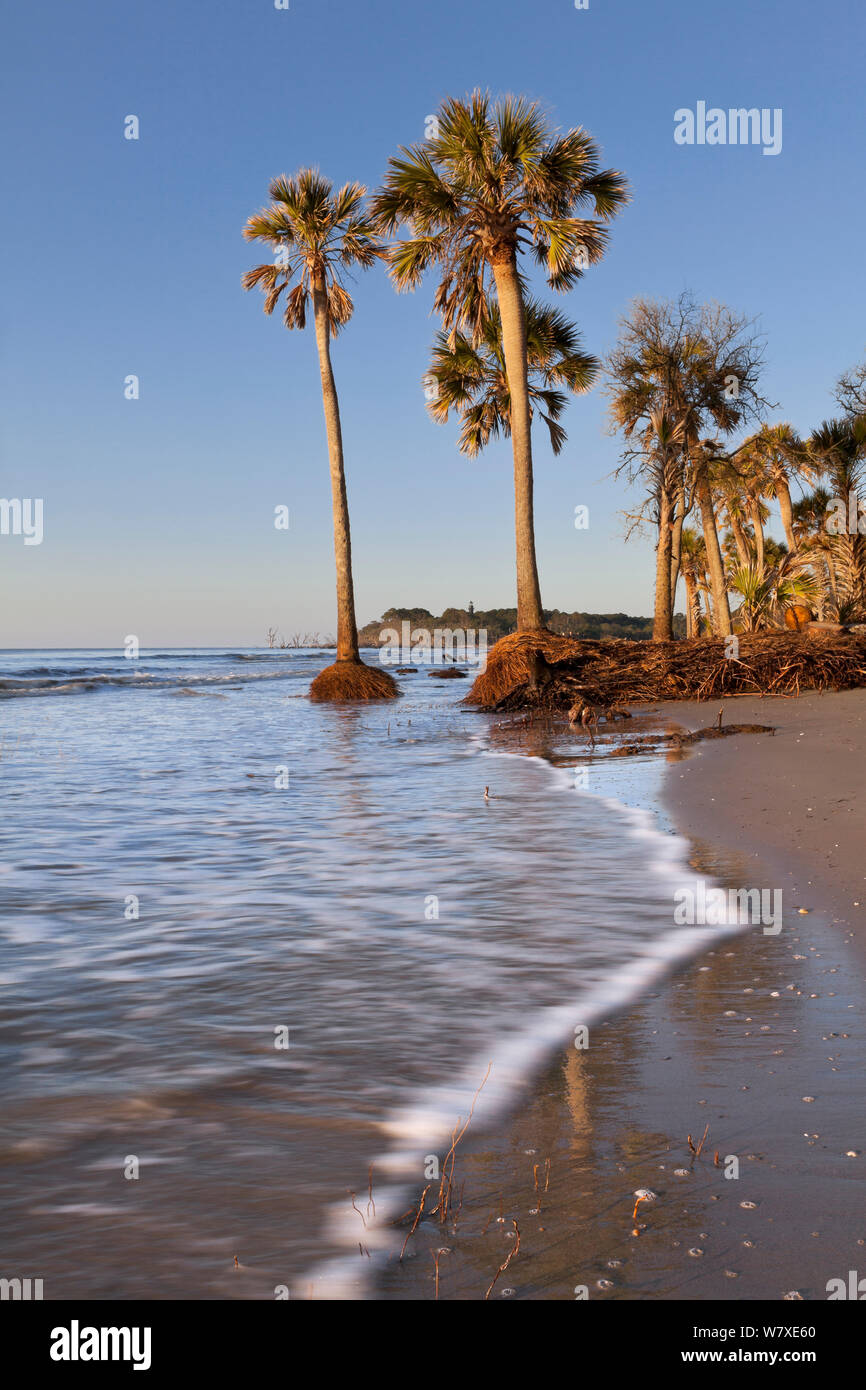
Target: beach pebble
793,1296
731,1274
507,1293
696,1251
605,1284
644,1194
681,1172
748,1206
852,1153
808,1099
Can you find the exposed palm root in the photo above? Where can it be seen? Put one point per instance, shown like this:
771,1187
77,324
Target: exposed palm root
538,670
348,681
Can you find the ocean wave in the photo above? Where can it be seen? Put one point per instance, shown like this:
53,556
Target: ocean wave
13,687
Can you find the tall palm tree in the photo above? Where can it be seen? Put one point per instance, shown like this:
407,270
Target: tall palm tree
472,379
491,179
731,507
778,454
693,563
318,235
664,440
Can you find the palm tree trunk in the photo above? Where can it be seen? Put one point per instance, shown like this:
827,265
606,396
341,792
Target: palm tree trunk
663,616
347,631
677,539
715,564
692,609
783,497
739,539
529,614
755,515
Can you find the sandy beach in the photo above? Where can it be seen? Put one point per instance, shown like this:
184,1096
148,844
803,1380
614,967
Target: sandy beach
790,800
759,1041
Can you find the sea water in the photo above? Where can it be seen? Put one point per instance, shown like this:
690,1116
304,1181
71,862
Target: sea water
257,956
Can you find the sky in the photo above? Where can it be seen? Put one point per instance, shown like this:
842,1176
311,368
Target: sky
124,257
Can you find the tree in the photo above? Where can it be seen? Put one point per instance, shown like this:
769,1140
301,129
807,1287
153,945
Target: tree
472,379
768,593
318,235
850,392
773,456
693,560
838,448
665,433
701,363
491,179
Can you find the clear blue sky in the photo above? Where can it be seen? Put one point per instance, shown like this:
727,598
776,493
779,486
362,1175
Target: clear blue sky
125,257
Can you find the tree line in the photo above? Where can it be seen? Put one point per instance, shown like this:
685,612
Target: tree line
491,189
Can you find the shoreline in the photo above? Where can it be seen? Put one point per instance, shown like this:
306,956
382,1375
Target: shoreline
755,1037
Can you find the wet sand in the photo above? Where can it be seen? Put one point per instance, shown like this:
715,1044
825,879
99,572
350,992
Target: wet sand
793,801
760,1039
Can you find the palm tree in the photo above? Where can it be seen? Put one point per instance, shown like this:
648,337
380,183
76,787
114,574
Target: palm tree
731,507
809,520
838,449
682,357
491,179
664,439
767,594
317,235
768,460
472,380
693,564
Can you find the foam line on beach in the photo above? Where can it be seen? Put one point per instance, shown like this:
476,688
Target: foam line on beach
416,1131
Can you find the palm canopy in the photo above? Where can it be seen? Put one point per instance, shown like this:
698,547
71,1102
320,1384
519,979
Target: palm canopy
492,178
839,450
318,235
471,379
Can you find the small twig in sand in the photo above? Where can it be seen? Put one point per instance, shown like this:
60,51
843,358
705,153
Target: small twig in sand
441,1207
697,1151
502,1268
436,1255
357,1209
370,1202
716,1159
417,1219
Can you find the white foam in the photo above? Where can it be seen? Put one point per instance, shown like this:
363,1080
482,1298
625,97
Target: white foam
426,1128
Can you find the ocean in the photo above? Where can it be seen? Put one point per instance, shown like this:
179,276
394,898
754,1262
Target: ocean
258,955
